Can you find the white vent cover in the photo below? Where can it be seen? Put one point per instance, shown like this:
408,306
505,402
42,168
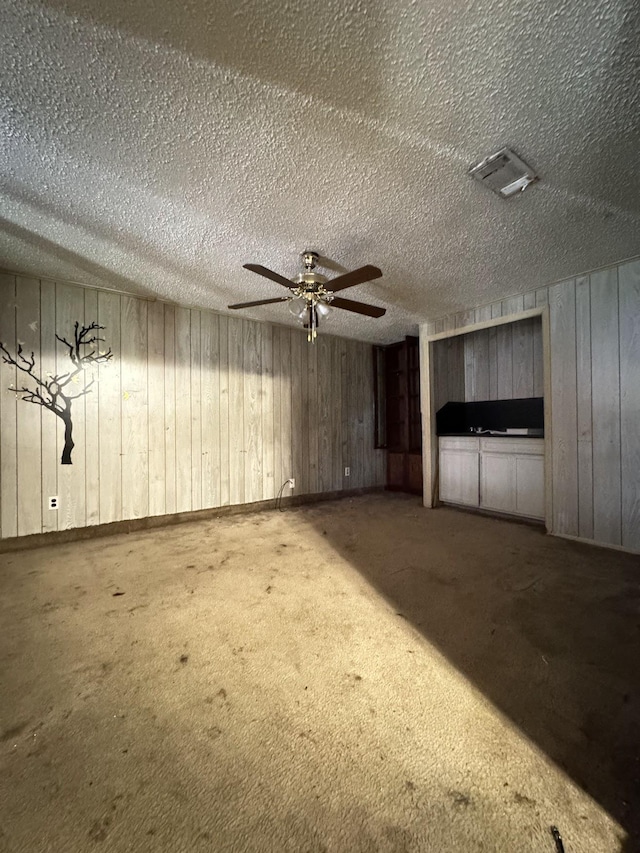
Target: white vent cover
504,173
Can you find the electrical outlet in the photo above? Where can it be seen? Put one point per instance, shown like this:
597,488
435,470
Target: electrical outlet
53,502
347,472
292,482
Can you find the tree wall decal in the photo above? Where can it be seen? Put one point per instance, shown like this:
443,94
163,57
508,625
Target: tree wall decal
50,392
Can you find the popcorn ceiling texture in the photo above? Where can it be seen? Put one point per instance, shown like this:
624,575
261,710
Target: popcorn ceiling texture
157,147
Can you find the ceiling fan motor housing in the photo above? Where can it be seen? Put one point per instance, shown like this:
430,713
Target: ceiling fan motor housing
311,281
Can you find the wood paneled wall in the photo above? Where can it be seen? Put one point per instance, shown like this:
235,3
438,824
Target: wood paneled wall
195,410
504,362
595,398
449,371
499,363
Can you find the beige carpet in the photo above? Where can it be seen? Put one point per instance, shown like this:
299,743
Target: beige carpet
360,675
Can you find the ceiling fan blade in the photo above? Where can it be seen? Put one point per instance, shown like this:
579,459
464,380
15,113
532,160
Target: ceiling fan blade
350,279
259,302
357,307
274,276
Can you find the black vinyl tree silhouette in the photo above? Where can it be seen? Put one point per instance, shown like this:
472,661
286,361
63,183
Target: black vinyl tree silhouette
50,392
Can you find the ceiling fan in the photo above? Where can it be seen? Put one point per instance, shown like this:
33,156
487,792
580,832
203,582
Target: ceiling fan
310,297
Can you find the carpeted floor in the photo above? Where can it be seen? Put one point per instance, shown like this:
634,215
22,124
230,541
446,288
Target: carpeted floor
360,675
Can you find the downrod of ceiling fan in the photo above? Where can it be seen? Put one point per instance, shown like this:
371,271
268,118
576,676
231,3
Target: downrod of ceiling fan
310,259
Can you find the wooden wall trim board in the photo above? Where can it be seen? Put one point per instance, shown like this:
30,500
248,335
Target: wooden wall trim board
590,347
195,410
498,320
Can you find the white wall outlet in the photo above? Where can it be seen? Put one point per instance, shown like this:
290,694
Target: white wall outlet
54,502
347,472
292,482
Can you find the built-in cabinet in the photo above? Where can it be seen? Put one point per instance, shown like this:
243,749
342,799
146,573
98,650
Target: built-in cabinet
460,470
501,474
398,398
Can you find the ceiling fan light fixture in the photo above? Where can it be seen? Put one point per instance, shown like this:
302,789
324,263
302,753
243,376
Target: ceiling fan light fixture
323,309
298,307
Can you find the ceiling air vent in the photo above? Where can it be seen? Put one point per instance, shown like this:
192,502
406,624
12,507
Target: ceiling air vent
504,173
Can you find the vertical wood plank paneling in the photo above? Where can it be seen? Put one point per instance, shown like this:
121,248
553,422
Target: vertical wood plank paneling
170,485
605,402
28,433
492,352
440,373
538,360
482,314
504,346
629,288
49,456
236,411
196,411
493,363
92,418
156,407
268,406
184,448
344,412
336,412
308,419
360,379
298,440
210,409
470,367
71,478
529,300
456,368
351,382
523,333
225,471
583,379
135,425
370,472
181,402
563,405
278,476
312,405
286,391
323,421
481,365
110,410
252,353
513,305
8,411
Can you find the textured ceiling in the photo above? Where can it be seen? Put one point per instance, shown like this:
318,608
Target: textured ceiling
157,146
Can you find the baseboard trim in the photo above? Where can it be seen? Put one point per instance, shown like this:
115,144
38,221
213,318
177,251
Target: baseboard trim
133,525
594,544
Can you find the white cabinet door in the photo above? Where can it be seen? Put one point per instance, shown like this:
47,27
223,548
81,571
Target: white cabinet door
459,477
530,486
498,482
